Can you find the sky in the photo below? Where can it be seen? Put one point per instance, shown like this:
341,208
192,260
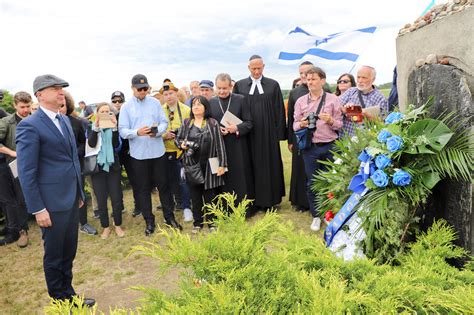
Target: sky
97,46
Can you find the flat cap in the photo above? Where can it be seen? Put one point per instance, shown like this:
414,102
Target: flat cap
206,84
47,80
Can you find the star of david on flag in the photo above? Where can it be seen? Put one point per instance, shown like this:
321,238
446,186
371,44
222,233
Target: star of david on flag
345,46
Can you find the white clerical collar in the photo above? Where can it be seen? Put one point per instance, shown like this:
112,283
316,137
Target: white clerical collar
256,83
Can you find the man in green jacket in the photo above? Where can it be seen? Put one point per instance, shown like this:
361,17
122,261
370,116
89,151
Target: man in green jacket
10,194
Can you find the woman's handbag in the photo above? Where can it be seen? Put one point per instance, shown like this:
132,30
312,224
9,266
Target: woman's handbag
90,160
194,174
90,165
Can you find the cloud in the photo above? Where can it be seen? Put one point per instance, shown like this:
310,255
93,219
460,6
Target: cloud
99,45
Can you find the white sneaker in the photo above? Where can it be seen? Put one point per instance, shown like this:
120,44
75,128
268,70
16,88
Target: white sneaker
316,225
188,215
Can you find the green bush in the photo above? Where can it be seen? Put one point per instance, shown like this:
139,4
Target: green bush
267,267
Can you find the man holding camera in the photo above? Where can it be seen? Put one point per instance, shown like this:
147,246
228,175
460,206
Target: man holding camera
321,113
143,122
177,112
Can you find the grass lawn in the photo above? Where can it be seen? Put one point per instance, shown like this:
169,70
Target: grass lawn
103,269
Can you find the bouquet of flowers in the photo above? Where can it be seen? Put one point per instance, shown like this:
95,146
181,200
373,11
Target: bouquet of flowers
390,168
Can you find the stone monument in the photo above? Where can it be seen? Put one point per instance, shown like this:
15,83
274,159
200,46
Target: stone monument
435,57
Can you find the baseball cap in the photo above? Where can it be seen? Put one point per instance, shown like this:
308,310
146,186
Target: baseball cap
117,94
168,86
140,81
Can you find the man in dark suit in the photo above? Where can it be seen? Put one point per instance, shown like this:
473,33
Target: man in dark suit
50,176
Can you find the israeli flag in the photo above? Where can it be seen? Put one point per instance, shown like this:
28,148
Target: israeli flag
343,46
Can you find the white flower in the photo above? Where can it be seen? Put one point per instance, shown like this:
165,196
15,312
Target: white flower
338,161
355,139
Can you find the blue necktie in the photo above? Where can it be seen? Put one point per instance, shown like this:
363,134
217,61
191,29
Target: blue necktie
63,126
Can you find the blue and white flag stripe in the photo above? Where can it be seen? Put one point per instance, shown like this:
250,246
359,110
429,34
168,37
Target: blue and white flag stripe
347,46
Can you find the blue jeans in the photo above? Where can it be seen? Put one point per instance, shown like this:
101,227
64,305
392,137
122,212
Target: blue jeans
179,187
317,151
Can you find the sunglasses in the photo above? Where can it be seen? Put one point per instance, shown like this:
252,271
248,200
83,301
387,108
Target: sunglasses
343,81
117,102
171,116
142,89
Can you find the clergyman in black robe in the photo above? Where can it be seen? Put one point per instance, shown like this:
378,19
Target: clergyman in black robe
239,178
269,127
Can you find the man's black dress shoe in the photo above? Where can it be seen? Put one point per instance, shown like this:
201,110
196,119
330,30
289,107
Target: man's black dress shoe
136,213
89,302
174,224
9,238
150,229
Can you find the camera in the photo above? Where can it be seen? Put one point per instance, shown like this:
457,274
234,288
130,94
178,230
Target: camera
192,148
175,131
312,119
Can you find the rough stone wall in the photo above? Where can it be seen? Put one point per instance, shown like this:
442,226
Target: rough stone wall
450,39
451,200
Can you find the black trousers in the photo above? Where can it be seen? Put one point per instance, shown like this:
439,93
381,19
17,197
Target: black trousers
60,246
199,197
126,162
151,173
107,184
83,210
11,196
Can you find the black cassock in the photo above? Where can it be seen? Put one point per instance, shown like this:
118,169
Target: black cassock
269,127
298,196
239,178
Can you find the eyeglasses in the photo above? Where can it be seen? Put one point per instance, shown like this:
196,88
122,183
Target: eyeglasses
117,101
343,81
142,89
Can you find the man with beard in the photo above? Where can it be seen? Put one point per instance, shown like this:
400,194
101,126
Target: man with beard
298,197
269,127
364,94
238,179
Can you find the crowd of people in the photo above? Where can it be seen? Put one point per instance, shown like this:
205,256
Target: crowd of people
188,144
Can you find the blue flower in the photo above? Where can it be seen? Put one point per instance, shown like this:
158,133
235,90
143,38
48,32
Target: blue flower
394,143
379,178
382,161
383,135
401,178
393,117
364,156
